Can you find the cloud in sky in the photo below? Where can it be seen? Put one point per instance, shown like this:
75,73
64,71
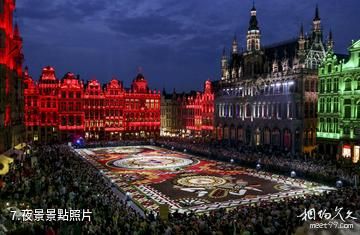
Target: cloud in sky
177,43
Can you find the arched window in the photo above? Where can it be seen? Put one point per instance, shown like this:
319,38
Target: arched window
275,137
329,125
241,108
265,112
266,136
322,105
328,105
322,86
336,104
328,84
237,112
248,110
336,84
347,84
329,68
336,128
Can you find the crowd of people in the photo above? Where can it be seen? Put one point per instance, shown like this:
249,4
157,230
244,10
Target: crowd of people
317,169
60,179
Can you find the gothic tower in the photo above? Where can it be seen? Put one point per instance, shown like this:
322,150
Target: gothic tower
224,65
316,48
234,46
317,32
253,33
301,42
330,42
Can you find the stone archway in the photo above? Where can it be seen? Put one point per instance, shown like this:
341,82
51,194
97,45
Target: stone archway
232,132
248,136
257,137
219,132
275,137
267,136
240,134
287,139
226,133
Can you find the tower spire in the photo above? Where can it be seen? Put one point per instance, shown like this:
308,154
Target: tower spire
317,17
316,21
301,42
330,41
253,7
302,31
234,45
224,65
253,24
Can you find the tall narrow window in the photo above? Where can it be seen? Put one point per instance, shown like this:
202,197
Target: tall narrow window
336,128
348,84
328,105
321,105
336,104
322,86
336,84
347,110
328,85
248,110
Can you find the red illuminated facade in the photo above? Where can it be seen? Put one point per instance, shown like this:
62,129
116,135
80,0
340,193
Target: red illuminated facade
67,109
190,114
11,79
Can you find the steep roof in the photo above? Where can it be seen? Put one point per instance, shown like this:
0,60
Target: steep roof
281,50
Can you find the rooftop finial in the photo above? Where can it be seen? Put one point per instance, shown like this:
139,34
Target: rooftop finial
253,21
317,17
330,41
302,30
253,7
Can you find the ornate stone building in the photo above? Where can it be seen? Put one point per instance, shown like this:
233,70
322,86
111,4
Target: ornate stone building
68,109
141,110
267,95
11,79
171,121
191,114
339,104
